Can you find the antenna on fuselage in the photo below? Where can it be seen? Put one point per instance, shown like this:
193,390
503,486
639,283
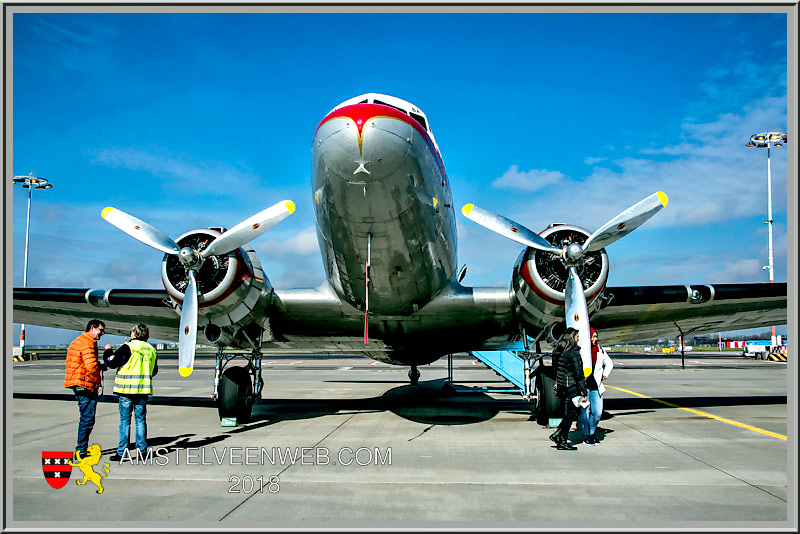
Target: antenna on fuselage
366,289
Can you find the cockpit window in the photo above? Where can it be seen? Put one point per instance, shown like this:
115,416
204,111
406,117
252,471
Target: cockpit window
376,101
420,119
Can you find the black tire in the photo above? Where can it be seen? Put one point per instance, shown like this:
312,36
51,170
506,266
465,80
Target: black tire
547,404
235,394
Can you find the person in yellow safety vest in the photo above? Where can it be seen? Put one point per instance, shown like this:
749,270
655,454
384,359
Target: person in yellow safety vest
136,365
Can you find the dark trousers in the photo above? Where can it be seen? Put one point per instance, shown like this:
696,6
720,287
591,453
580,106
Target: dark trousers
87,406
571,413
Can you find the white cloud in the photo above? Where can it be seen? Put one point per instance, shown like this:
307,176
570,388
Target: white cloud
593,161
710,177
531,180
303,243
181,172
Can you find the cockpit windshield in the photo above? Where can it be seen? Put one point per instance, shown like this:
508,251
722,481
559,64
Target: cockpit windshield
406,107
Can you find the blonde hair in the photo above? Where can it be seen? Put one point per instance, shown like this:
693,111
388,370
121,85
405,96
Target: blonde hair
140,331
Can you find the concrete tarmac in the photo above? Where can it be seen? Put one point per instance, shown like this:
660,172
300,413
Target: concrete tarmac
343,441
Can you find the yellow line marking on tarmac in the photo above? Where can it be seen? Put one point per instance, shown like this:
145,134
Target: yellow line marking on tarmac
704,414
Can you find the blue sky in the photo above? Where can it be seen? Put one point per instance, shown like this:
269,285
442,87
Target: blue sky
192,120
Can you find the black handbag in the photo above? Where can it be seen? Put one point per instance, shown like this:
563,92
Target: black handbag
566,393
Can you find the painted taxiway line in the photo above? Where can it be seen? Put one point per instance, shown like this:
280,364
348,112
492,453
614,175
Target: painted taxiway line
703,414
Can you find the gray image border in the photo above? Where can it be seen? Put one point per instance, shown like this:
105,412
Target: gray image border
789,8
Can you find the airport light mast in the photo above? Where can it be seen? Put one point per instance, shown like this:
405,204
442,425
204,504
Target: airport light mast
766,140
29,182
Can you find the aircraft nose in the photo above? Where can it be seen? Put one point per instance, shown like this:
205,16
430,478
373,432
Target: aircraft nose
362,146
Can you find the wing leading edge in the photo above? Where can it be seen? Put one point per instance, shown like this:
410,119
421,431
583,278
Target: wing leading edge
629,313
650,312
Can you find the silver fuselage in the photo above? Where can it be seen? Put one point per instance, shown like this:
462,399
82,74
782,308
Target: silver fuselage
381,195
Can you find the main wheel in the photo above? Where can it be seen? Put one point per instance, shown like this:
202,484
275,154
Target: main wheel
235,394
547,404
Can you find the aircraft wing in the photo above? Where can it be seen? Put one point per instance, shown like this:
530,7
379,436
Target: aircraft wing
119,309
629,314
301,321
650,312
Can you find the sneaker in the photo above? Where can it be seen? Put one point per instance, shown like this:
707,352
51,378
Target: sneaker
554,437
565,446
115,457
590,441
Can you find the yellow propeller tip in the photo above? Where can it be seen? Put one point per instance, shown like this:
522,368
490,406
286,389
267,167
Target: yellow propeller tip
290,206
466,209
663,198
105,212
435,202
185,371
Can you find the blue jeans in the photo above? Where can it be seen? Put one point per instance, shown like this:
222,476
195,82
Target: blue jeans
590,416
87,406
138,405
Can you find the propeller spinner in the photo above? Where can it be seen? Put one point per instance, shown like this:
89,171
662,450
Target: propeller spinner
192,259
575,308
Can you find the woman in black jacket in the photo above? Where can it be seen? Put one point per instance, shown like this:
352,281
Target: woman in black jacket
570,383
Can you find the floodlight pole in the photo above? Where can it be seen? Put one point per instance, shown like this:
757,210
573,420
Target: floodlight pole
766,140
28,182
769,221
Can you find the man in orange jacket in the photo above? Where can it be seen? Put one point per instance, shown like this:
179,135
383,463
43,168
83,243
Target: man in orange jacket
83,377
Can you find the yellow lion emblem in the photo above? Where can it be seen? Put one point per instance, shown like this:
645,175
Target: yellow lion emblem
85,464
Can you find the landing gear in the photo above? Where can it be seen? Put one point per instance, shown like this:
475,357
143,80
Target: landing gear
413,375
236,388
448,388
547,404
236,394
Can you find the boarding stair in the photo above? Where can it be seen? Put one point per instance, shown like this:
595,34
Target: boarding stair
519,368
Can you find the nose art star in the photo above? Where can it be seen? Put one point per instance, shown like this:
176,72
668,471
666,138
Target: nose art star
361,168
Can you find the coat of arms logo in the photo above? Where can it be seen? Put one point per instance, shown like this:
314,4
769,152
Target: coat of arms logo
57,468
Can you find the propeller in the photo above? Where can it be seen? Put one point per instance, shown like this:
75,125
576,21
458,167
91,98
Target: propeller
187,337
507,228
192,260
626,222
575,308
577,315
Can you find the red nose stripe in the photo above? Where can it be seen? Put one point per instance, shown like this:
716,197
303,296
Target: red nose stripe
361,113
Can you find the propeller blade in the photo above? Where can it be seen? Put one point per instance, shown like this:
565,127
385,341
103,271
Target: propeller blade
140,230
187,340
626,222
577,315
249,229
507,228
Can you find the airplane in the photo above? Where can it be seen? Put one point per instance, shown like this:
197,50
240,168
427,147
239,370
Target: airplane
386,227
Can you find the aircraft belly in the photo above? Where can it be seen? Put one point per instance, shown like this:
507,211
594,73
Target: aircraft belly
457,319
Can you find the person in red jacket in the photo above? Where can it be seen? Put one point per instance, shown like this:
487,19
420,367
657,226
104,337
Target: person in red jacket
82,375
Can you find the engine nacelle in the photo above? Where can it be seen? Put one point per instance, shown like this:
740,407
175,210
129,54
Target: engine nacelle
233,291
539,280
